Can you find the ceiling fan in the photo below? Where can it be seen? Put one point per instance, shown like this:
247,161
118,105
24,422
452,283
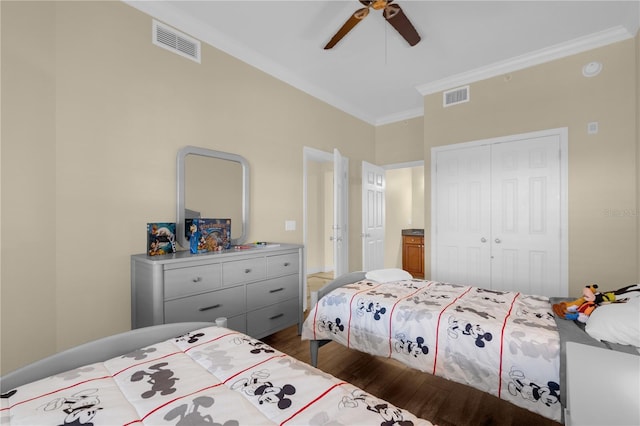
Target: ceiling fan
391,12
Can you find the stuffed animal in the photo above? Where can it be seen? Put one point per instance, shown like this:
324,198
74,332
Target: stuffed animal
583,305
581,308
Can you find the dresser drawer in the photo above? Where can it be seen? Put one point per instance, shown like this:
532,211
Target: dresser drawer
272,291
275,317
243,271
206,307
283,264
185,281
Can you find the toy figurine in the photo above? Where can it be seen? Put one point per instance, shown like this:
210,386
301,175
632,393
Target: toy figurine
193,239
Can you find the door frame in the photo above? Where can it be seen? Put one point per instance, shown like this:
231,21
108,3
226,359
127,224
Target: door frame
313,154
394,166
563,134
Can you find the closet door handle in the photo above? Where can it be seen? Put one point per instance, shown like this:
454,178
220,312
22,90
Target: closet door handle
498,241
483,240
246,271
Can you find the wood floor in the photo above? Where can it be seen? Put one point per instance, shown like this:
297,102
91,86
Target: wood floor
440,401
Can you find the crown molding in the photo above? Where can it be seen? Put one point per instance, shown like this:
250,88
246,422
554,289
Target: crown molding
572,47
400,116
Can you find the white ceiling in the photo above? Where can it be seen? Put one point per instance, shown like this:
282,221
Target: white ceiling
373,74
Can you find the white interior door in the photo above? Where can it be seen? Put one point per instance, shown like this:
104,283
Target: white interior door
373,216
499,213
340,213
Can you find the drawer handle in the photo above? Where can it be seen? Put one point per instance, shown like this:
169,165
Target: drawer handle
246,271
276,316
197,279
275,290
209,307
286,264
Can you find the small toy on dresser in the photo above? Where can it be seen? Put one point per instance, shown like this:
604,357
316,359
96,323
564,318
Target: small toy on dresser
193,238
161,238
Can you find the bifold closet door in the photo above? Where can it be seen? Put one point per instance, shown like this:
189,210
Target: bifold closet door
497,216
525,219
463,216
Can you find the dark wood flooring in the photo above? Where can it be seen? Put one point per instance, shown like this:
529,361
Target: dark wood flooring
440,401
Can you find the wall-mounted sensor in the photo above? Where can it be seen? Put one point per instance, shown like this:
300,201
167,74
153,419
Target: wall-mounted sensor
592,69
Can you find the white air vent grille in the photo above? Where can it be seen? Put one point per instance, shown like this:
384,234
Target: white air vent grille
175,41
455,96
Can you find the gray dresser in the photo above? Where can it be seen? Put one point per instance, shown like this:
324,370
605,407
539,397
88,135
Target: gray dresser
259,290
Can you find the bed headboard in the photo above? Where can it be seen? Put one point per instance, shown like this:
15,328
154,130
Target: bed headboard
351,277
96,351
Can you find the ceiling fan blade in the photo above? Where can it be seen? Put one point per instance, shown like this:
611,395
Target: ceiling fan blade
357,16
396,17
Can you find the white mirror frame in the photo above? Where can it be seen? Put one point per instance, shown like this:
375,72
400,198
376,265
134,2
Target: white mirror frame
181,216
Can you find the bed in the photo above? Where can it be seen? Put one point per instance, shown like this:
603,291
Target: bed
185,374
503,343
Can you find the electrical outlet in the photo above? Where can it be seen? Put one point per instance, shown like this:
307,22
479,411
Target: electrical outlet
592,128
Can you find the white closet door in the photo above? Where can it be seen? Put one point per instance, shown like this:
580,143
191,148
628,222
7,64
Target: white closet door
498,213
525,216
462,209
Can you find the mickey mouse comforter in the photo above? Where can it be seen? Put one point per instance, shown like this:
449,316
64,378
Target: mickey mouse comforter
502,343
209,376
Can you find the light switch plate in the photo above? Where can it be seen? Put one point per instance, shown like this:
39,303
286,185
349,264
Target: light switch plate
289,225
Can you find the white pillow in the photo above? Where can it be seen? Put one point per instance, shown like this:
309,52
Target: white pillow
616,323
387,275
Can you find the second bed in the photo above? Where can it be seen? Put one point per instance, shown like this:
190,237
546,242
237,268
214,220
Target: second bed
502,343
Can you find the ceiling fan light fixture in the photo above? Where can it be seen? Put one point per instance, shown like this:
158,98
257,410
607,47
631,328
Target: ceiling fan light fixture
379,4
392,13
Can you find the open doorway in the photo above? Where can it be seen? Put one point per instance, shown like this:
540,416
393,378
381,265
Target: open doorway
325,211
318,221
404,206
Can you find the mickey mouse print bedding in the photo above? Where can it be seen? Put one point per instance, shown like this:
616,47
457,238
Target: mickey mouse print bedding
503,343
212,375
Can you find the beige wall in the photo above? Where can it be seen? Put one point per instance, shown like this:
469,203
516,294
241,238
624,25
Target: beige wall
399,142
91,128
603,182
315,217
319,248
28,305
398,209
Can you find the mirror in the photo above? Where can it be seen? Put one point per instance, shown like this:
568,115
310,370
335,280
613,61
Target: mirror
215,185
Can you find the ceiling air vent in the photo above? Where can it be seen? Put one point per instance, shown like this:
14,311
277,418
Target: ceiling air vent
455,96
175,41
